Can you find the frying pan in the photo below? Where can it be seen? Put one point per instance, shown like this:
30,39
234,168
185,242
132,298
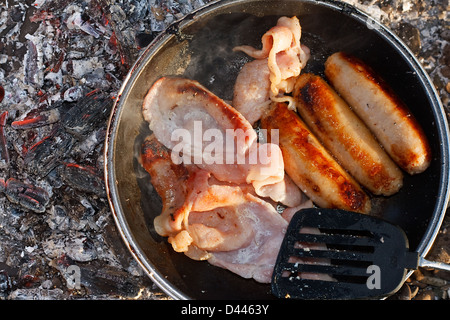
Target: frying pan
199,47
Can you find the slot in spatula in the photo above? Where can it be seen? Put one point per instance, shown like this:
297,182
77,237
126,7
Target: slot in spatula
337,254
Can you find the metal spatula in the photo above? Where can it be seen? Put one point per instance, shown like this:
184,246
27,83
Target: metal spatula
337,254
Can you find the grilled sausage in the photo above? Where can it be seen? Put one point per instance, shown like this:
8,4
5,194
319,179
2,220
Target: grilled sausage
310,166
345,136
383,112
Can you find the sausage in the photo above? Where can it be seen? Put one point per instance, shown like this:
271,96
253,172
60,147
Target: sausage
310,165
345,136
380,108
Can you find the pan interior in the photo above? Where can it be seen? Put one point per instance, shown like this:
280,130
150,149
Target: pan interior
200,48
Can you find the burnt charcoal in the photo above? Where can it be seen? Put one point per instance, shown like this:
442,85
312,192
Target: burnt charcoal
76,245
83,178
42,116
144,39
28,196
73,94
47,154
82,22
87,114
5,282
42,119
2,185
4,153
38,294
410,35
88,145
123,31
54,178
58,218
97,278
31,65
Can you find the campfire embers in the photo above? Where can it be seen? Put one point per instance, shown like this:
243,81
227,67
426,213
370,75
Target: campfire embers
4,153
53,53
91,112
46,154
28,196
74,123
83,178
61,65
70,132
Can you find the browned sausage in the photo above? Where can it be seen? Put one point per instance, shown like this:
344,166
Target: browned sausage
383,112
310,166
345,136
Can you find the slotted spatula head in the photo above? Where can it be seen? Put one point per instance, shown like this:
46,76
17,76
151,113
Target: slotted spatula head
337,254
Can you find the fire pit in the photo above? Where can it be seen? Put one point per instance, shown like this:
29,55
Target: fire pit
62,64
